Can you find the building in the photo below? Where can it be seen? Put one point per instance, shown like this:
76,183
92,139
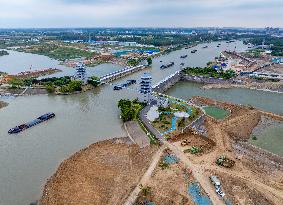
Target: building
81,73
145,88
130,44
277,60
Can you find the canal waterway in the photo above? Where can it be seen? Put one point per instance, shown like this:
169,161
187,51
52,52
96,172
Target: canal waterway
267,101
31,157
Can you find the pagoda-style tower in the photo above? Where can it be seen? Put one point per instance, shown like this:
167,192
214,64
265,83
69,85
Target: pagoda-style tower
145,88
81,73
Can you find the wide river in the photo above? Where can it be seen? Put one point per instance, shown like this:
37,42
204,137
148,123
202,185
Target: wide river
31,157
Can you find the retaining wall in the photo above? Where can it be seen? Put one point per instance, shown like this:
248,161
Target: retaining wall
208,80
167,83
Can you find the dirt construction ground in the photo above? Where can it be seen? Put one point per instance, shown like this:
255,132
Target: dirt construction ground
108,172
248,181
103,173
168,186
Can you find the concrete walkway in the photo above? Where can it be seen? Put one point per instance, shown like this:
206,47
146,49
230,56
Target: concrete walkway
136,134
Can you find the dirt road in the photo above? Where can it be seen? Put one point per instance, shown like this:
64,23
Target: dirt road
198,174
145,178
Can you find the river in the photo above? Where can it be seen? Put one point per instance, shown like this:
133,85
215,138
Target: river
17,62
31,157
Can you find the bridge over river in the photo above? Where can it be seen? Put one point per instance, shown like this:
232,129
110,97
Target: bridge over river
121,73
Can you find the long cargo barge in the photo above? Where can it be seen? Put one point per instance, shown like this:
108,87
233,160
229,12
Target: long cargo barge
30,124
124,85
167,65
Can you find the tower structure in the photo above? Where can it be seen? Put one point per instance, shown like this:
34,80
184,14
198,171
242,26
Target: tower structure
145,88
81,73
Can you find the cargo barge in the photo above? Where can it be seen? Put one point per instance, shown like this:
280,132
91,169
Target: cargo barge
167,65
25,126
124,85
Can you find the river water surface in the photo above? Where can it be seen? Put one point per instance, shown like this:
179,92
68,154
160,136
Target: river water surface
31,157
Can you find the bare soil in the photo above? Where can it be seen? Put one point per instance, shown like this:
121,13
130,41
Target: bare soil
3,104
103,173
168,187
106,172
205,144
249,181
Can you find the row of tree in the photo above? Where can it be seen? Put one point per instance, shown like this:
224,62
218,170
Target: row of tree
210,72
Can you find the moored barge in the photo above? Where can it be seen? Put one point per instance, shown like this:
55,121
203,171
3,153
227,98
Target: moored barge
167,65
124,85
30,124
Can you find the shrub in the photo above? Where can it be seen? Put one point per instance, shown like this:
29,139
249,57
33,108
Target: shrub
50,88
163,165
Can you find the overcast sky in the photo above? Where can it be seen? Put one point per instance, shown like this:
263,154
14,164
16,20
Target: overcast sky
140,13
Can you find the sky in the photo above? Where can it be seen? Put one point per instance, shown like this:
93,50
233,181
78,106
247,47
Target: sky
140,13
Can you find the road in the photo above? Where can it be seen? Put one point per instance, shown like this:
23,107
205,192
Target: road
145,178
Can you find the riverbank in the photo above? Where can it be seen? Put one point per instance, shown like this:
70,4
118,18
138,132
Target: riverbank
103,173
22,91
3,104
268,86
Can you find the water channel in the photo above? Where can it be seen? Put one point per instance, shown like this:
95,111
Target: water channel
31,157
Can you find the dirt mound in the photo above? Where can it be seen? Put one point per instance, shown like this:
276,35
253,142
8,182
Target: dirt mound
103,173
202,142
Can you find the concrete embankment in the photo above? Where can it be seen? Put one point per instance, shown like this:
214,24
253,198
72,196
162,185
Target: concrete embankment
167,83
136,134
208,80
211,83
268,86
171,80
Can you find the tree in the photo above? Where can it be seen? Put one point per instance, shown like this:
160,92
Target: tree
94,81
16,83
50,88
133,62
64,89
75,85
129,109
149,60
